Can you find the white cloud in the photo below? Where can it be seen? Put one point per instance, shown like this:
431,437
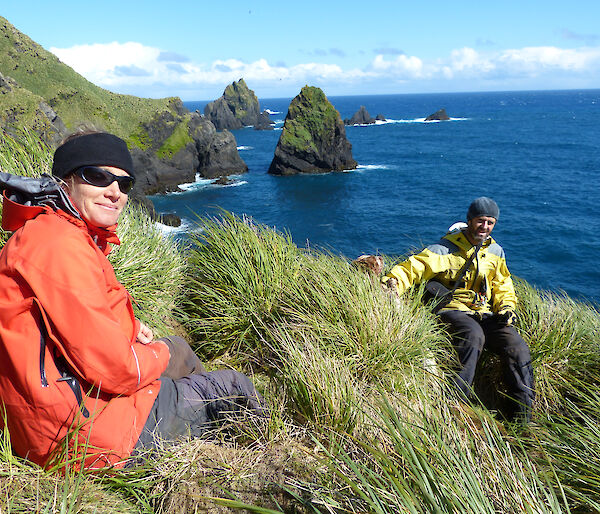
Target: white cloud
138,69
402,65
535,59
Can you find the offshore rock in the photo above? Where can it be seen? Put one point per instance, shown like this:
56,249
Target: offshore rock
238,107
170,219
222,117
360,117
313,139
264,122
440,115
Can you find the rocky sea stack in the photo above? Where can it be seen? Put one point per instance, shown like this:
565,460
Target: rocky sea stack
237,108
440,115
313,139
362,117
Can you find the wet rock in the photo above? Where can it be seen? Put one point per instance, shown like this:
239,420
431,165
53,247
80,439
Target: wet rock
170,219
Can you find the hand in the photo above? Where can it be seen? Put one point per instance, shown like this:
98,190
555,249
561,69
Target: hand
391,284
507,316
145,334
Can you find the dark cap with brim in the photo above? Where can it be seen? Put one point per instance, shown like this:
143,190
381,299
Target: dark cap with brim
95,149
483,206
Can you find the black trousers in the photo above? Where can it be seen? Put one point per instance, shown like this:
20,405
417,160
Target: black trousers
194,404
470,335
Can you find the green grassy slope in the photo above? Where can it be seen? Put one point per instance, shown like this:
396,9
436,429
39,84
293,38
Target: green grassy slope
41,74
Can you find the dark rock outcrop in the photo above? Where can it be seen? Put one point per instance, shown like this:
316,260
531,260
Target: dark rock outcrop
360,117
179,147
238,107
6,84
170,219
380,117
440,115
222,117
313,139
223,181
264,122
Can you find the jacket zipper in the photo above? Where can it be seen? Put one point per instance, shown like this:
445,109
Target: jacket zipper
72,382
61,366
43,357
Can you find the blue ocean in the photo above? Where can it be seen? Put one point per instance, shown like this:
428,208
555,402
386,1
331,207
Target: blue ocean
536,153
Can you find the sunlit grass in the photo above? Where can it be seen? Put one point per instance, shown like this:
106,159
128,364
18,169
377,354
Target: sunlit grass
362,418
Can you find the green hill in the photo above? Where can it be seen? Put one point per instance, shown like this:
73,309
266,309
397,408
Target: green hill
169,144
41,75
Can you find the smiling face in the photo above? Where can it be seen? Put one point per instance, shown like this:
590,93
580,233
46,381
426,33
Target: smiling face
480,228
99,206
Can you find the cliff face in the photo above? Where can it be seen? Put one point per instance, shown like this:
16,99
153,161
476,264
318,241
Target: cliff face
313,139
168,143
238,107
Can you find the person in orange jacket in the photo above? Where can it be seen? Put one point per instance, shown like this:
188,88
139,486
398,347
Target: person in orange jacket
80,377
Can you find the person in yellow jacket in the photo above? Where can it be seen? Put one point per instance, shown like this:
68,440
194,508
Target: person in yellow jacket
466,272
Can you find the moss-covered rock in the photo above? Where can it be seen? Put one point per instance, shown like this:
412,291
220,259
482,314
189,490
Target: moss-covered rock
313,139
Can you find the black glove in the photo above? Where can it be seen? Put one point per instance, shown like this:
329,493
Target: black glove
507,316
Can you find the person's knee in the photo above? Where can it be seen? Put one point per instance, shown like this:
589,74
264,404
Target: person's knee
517,351
239,390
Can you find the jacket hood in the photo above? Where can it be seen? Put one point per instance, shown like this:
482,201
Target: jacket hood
26,198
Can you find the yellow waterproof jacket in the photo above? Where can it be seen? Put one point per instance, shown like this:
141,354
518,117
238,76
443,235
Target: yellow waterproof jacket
487,277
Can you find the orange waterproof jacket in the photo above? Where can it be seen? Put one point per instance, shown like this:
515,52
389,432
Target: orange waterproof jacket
71,372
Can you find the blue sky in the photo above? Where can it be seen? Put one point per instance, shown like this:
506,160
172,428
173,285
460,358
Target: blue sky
193,49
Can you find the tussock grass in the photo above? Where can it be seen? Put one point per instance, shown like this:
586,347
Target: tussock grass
427,462
24,153
362,418
151,267
564,336
312,321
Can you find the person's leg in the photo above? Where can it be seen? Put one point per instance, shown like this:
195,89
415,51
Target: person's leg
194,404
468,340
505,341
183,360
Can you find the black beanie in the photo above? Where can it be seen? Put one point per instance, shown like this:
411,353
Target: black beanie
94,149
483,206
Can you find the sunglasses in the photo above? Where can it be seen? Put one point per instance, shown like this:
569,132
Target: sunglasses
101,178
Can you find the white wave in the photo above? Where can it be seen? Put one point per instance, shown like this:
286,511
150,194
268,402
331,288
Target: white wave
202,183
377,122
245,148
272,112
422,120
235,183
169,230
372,167
199,183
